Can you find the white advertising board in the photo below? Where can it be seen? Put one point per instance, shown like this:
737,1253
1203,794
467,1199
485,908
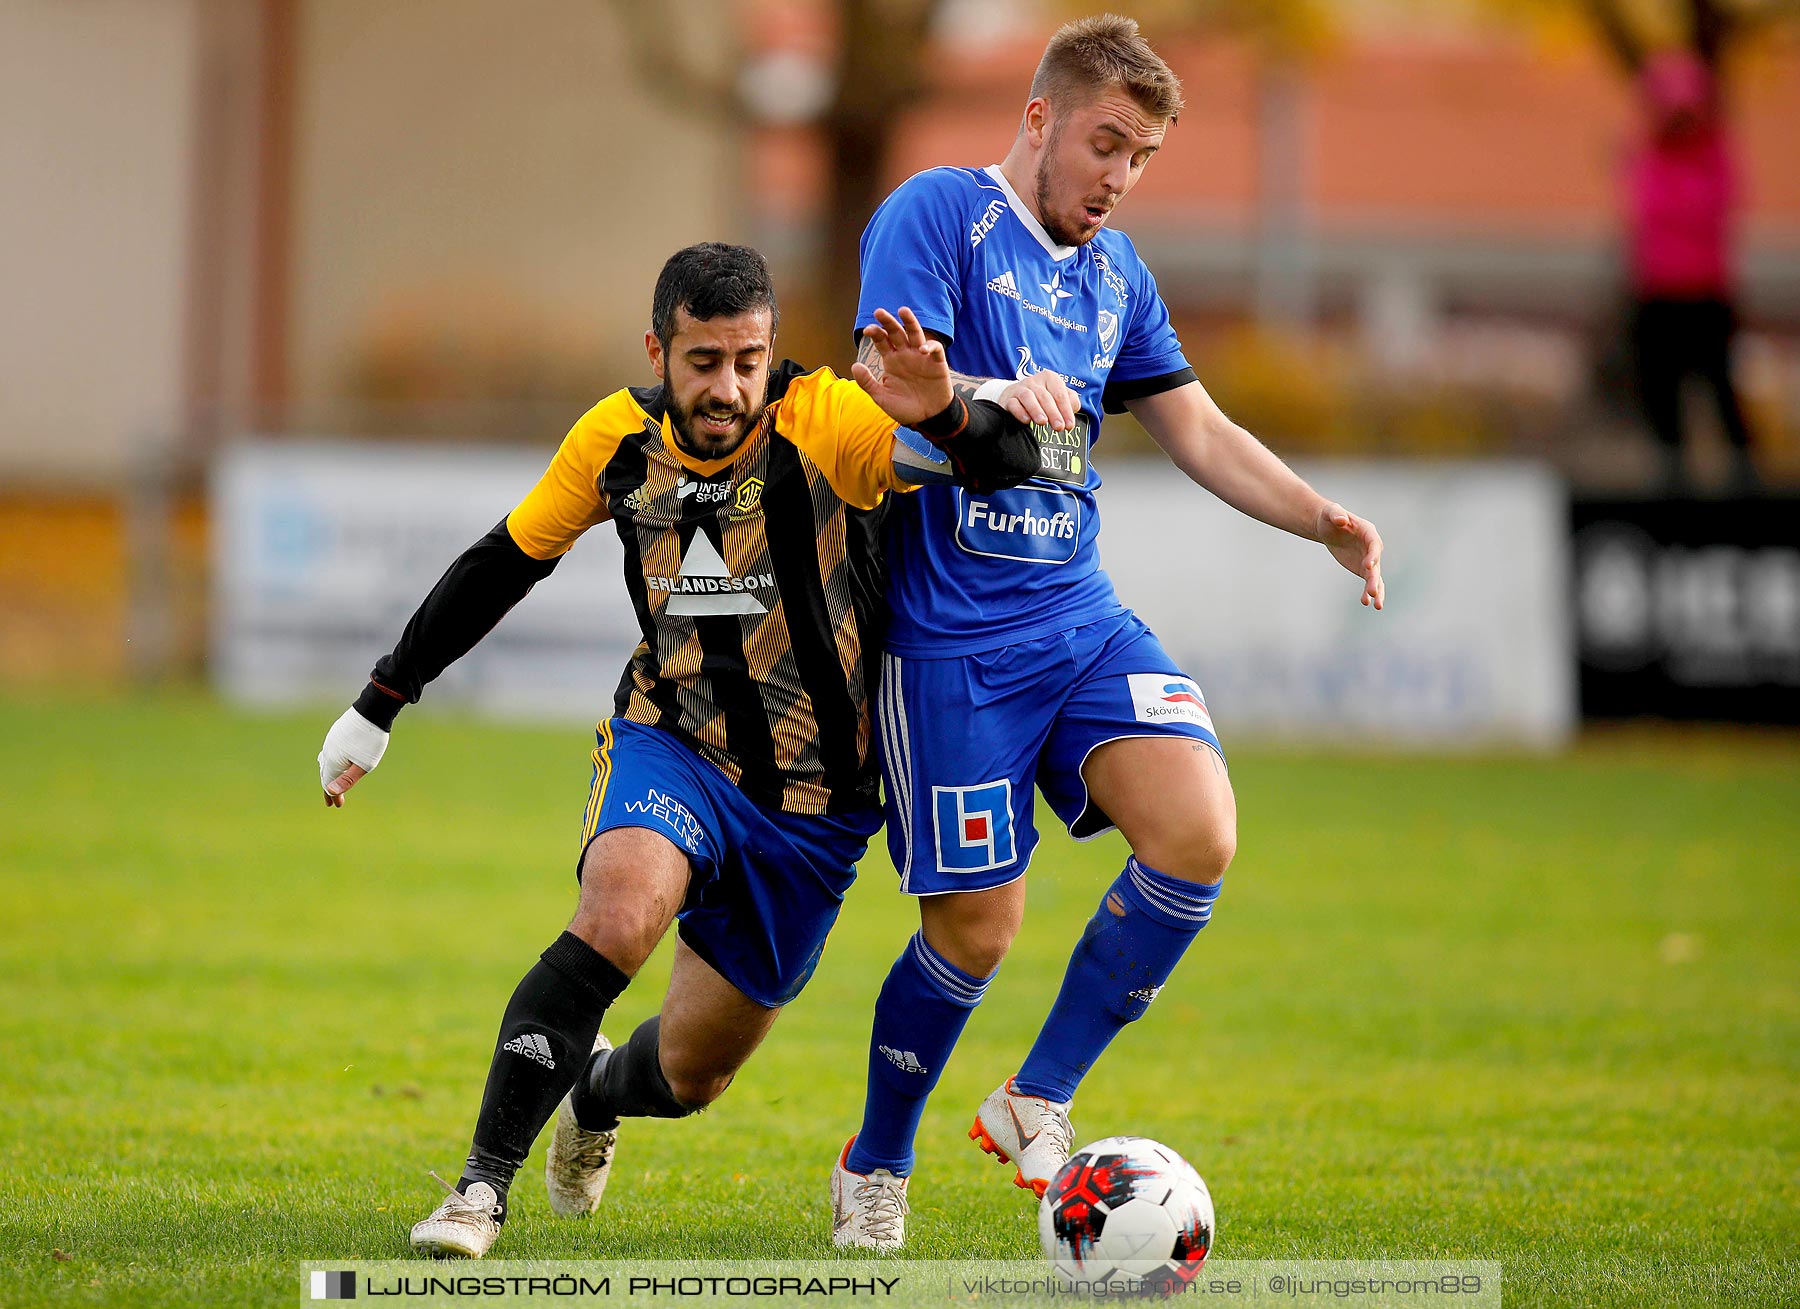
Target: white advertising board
1473,648
322,551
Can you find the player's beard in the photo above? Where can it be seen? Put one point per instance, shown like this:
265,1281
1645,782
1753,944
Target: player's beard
1044,191
702,444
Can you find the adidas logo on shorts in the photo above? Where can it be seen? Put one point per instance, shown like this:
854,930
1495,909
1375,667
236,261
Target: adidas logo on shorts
533,1046
905,1060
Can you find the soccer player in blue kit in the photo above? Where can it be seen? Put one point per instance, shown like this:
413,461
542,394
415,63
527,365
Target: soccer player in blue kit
1010,660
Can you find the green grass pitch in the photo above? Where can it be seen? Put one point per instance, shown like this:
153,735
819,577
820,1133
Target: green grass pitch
1544,1011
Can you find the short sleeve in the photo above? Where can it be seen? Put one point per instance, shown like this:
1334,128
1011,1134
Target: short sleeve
1150,347
846,435
566,500
911,251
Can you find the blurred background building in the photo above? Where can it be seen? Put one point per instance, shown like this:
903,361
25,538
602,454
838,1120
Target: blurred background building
1386,229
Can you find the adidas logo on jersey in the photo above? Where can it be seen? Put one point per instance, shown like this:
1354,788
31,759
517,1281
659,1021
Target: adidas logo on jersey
905,1060
533,1046
1007,285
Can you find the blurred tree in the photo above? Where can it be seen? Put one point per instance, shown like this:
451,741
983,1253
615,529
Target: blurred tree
880,67
877,69
1706,28
1282,35
689,53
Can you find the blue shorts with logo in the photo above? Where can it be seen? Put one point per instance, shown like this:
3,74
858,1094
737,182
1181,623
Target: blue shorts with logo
766,885
964,740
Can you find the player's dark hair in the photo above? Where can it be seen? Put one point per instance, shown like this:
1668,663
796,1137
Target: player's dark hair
711,280
1090,56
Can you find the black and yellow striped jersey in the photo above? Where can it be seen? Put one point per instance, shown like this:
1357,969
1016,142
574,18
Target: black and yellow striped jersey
756,578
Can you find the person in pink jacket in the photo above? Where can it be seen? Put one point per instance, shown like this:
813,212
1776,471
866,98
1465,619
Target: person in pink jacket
1681,192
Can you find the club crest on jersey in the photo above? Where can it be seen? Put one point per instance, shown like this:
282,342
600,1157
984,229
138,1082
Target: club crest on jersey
749,497
1165,698
1109,331
974,826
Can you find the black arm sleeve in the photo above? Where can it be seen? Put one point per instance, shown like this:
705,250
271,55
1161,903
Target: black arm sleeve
1119,394
474,594
988,448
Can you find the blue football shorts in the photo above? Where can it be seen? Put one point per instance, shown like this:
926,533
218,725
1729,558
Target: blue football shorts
766,885
964,740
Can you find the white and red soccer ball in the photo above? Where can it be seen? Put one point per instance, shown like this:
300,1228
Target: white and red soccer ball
1128,1213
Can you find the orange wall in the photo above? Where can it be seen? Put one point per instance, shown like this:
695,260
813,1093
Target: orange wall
1462,136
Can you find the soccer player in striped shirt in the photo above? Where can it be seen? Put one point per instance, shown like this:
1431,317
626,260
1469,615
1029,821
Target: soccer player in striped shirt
734,785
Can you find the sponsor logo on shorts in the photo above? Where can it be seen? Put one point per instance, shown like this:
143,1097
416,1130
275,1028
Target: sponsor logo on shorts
677,817
1168,698
974,826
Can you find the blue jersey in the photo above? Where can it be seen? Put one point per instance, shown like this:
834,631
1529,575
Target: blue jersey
971,571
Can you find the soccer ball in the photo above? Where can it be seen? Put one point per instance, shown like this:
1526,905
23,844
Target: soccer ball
1129,1213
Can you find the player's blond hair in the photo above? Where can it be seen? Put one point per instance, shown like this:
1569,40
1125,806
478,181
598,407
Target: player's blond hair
1091,56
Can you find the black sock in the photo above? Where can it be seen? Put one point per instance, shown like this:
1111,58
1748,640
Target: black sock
545,1039
627,1083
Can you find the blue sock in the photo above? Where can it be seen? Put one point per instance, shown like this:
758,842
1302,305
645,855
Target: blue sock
923,1007
1129,948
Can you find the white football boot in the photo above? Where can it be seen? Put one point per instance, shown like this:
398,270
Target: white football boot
463,1226
1031,1133
867,1211
579,1161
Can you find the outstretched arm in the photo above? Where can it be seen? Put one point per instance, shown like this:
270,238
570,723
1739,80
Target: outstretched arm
1231,463
474,594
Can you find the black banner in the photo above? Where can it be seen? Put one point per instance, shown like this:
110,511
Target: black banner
1689,609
